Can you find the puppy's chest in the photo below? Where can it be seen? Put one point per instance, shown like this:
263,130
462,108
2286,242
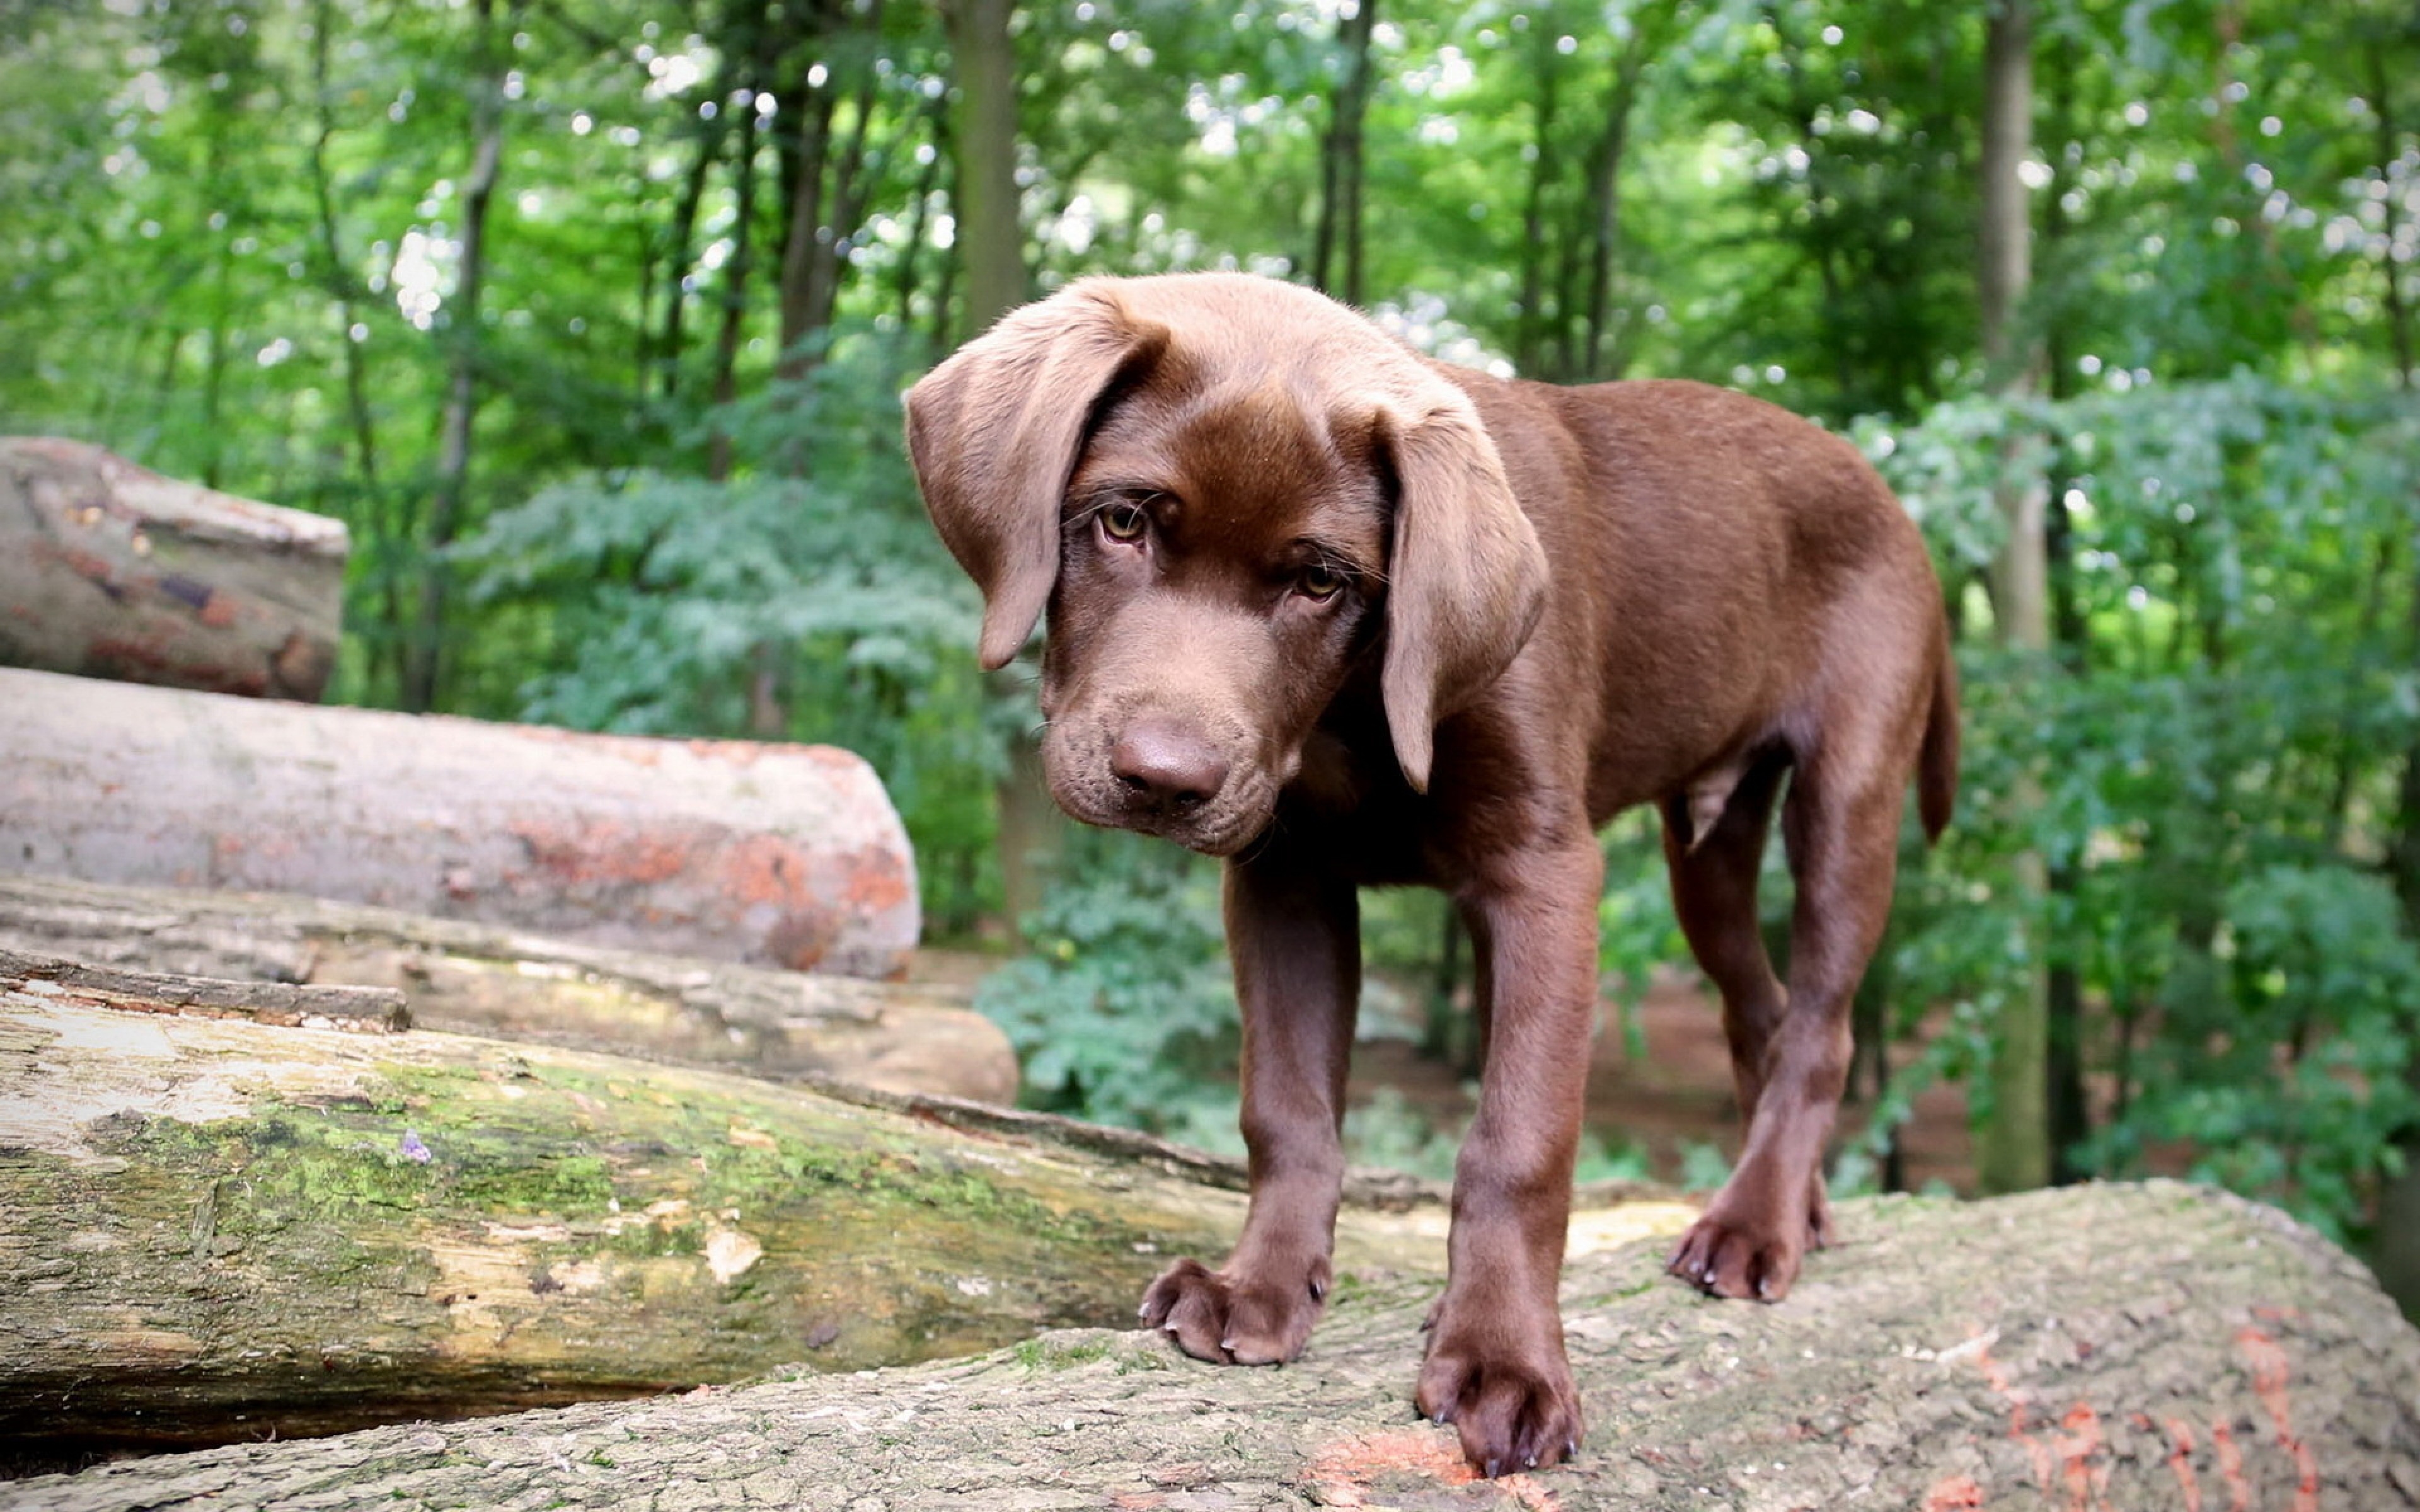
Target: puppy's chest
1352,809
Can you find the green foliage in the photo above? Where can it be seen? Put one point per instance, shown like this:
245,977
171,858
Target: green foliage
2208,763
1122,1012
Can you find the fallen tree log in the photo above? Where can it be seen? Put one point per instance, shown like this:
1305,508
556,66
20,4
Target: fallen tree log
357,1010
111,570
477,978
786,856
214,1230
2112,1348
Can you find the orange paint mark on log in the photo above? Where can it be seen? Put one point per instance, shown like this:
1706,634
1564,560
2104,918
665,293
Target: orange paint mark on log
877,882
2180,1448
604,852
2020,1427
2087,1485
2270,1370
1958,1494
2230,1468
1344,1471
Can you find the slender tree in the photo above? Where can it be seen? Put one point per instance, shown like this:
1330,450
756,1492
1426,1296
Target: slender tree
2014,1148
423,646
990,243
1341,161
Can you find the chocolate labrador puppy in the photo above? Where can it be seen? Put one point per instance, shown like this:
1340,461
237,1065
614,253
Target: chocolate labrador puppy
1346,617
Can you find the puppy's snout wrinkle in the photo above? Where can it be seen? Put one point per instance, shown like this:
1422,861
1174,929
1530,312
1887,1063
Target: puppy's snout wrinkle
1162,763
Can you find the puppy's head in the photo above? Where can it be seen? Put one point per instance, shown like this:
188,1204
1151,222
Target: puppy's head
1228,492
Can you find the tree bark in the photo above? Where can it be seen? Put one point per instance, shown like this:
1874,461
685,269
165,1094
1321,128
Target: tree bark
467,978
2013,1148
111,571
2155,1348
214,1230
776,856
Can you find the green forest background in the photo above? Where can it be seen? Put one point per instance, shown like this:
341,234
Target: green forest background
589,317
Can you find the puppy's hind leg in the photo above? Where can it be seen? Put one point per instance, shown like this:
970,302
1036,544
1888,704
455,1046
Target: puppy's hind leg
1841,823
1294,935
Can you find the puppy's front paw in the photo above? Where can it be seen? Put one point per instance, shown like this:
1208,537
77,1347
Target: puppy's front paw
1232,1317
1751,1250
1504,1384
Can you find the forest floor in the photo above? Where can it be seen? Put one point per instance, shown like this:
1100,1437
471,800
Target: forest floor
1674,1097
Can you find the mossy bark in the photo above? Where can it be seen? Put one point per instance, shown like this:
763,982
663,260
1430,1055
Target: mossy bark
480,979
212,1230
2125,1349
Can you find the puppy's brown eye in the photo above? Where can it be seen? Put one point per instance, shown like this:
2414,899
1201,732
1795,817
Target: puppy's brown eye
1125,522
1320,583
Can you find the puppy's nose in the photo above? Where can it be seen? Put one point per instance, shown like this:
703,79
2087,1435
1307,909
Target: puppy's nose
1166,764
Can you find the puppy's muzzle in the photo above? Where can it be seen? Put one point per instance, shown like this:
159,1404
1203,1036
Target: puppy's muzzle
1164,769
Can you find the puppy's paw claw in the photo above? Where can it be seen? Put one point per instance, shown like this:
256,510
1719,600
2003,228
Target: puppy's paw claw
1231,1320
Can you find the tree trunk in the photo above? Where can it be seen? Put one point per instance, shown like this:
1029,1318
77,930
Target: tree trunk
215,1230
814,253
1532,326
336,273
1341,162
1649,32
424,645
2153,1347
467,978
990,242
2013,1148
736,271
678,256
779,856
111,571
985,134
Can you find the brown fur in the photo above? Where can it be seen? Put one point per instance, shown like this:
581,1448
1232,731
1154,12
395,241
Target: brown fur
1346,617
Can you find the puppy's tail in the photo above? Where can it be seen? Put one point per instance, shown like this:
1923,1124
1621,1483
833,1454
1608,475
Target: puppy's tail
1936,765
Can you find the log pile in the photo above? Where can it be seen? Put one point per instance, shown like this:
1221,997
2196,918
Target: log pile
2114,1349
110,570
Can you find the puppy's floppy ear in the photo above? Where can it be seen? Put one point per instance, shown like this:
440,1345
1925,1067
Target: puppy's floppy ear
994,433
1468,579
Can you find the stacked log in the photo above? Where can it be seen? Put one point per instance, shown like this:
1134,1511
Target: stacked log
110,570
507,984
782,856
